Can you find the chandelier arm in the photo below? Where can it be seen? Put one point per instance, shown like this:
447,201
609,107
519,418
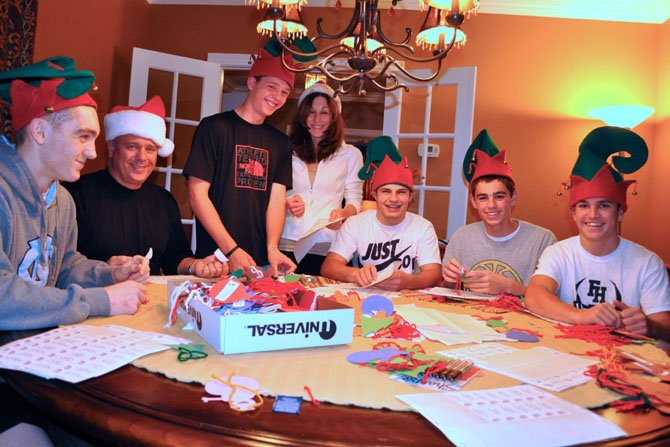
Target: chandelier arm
387,64
396,84
438,55
343,50
386,40
345,32
418,78
333,76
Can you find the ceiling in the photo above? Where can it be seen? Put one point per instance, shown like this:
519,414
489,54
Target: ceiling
642,11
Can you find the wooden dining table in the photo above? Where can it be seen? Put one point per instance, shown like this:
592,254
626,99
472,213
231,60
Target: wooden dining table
132,406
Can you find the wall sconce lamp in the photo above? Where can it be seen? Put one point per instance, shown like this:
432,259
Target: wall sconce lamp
622,116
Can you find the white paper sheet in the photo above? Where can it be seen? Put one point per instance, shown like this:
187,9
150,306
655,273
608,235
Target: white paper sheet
312,237
520,416
530,365
80,352
464,294
448,328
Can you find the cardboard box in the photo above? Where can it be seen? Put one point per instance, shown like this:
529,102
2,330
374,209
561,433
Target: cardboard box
331,323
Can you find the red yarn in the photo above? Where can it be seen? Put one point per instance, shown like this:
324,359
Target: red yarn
596,333
399,328
610,374
276,292
311,396
433,369
511,303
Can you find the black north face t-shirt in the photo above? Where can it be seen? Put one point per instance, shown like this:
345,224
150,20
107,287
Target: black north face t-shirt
241,161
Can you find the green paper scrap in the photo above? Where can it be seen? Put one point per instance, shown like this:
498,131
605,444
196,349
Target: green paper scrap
421,368
370,325
292,277
237,273
496,323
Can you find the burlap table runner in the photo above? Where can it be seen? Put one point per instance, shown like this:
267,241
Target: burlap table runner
326,371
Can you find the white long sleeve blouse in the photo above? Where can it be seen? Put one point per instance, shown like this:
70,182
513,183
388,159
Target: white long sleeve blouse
336,179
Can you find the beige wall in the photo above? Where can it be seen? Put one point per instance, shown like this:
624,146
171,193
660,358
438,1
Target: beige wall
658,214
99,36
537,80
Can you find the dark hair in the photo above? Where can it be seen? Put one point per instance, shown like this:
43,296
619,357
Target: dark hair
509,184
301,139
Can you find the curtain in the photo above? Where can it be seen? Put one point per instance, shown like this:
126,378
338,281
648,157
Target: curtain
18,20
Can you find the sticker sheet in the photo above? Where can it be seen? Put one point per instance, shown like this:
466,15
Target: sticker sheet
80,352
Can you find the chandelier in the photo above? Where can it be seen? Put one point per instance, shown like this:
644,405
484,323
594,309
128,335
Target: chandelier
369,54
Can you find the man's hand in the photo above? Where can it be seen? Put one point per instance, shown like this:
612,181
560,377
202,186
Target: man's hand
209,267
129,268
296,205
365,275
485,281
126,297
632,318
452,270
336,214
280,264
603,313
240,259
394,282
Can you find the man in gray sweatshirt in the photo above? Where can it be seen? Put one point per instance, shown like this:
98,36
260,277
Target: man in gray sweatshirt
44,281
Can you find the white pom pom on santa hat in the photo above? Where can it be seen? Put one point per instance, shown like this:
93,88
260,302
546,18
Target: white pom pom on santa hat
146,121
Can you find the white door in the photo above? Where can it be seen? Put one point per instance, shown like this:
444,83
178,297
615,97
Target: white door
191,90
436,115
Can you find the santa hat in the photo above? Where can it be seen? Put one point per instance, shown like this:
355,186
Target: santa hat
321,87
45,87
484,158
266,64
146,121
390,172
593,177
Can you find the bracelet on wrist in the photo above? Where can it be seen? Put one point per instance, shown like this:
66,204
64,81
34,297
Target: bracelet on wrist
232,251
189,269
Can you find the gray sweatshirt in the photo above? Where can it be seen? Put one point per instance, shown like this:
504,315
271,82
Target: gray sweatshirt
44,281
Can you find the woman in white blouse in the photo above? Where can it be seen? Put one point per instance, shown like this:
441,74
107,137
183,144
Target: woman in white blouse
326,186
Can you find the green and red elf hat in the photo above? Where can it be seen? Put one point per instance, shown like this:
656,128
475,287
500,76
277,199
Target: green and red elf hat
45,87
593,177
390,172
484,158
377,149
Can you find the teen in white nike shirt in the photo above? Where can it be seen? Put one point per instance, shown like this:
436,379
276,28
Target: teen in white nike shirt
387,236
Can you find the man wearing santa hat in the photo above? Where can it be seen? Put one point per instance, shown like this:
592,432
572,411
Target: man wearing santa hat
598,277
44,281
120,213
387,237
498,253
239,170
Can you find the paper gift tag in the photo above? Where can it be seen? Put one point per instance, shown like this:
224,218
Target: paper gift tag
228,290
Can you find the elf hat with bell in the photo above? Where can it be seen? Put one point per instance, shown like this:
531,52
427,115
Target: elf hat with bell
45,87
146,121
484,158
389,172
593,177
